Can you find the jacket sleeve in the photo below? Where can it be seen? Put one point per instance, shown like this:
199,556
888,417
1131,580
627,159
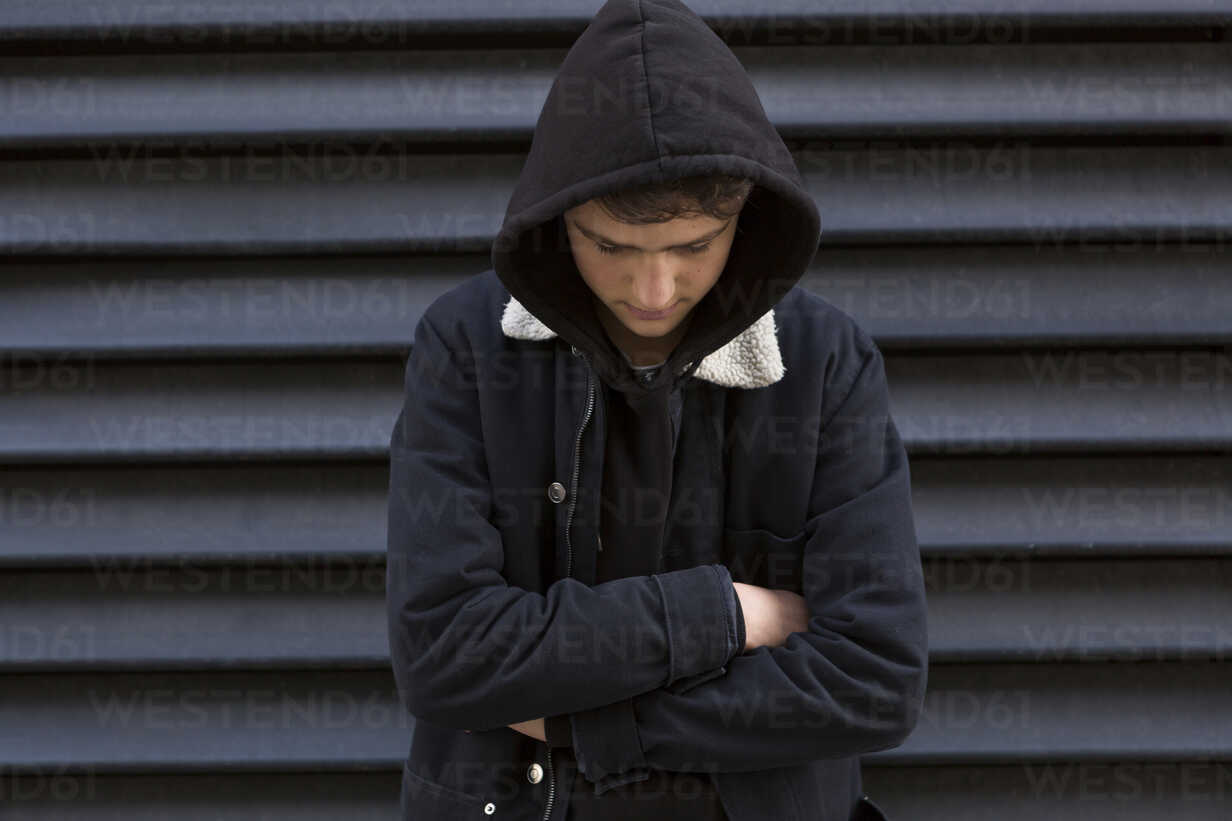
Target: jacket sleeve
609,722
467,649
854,682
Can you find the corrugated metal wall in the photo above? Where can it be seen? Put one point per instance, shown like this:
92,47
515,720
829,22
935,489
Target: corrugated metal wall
220,223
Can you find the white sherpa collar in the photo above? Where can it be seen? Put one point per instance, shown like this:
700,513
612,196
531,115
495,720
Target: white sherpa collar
750,360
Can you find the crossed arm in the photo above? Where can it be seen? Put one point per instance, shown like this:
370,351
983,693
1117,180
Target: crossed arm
769,617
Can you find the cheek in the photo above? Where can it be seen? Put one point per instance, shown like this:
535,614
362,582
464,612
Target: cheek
597,276
710,272
602,274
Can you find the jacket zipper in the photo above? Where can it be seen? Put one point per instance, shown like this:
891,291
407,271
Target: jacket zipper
577,466
551,787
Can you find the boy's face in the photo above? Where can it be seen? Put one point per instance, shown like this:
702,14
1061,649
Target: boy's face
664,267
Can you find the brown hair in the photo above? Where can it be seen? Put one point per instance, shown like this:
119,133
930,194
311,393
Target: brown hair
714,195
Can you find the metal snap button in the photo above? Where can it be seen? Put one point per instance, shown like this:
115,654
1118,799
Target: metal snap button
534,773
556,492
489,808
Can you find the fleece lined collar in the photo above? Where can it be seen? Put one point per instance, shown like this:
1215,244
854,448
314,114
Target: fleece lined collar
750,360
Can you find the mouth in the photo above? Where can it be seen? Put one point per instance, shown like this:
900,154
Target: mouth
646,315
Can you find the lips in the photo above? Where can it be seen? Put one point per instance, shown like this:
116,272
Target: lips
640,314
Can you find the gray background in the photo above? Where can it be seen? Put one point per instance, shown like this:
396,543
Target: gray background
220,224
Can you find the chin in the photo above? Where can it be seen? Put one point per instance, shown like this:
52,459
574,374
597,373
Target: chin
651,336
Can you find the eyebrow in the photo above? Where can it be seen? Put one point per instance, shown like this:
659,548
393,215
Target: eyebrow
597,237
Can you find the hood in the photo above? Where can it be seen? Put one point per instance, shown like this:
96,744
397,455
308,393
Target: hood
648,93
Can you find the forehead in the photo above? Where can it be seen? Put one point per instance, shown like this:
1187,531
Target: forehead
591,219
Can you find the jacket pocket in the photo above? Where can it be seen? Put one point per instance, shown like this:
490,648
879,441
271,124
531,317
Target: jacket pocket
866,810
424,799
759,557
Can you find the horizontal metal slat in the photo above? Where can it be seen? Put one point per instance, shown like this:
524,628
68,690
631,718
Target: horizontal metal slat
203,205
54,795
373,23
1079,711
1044,610
122,516
332,720
956,296
1077,505
1144,196
339,306
117,516
135,616
130,616
1058,791
907,297
1141,197
203,722
1062,401
1021,403
136,411
381,97
1089,89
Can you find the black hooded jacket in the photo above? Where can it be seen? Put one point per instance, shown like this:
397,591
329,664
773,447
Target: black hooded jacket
516,590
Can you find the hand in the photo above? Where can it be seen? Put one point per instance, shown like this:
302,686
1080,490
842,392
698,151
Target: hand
770,616
533,728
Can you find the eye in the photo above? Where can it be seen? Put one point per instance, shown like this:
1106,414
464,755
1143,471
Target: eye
612,249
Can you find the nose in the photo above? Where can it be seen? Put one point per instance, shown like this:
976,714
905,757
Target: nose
654,284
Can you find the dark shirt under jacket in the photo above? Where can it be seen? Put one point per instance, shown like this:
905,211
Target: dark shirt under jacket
627,524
